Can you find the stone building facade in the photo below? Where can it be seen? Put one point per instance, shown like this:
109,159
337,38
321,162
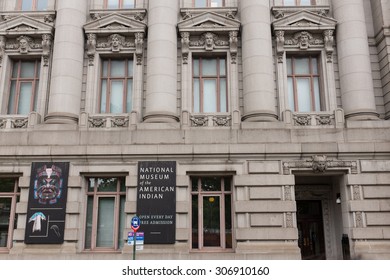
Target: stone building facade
275,114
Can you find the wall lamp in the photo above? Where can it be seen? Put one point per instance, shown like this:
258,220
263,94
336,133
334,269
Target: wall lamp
338,198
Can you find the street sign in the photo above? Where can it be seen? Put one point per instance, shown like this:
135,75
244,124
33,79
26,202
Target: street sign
139,239
135,223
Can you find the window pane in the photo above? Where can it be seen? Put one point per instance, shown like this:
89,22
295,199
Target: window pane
116,98
35,97
302,65
195,222
227,185
289,2
223,99
27,5
305,2
222,67
105,68
289,66
228,221
12,96
117,68
195,181
112,4
122,221
27,70
5,212
107,184
314,65
103,98
42,5
196,96
216,3
209,96
129,105
25,98
200,3
195,67
7,185
303,91
211,221
128,4
290,88
211,184
130,69
316,91
209,67
15,70
88,225
105,225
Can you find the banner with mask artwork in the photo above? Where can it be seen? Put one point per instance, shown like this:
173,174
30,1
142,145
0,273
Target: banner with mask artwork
45,223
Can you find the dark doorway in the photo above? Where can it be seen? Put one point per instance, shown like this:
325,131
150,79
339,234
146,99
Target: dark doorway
310,229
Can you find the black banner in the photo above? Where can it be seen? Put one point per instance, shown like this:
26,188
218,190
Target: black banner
156,201
45,223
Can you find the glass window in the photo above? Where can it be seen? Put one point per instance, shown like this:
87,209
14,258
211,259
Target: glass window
208,3
33,5
299,2
211,212
209,85
119,4
9,196
116,86
24,87
303,84
105,218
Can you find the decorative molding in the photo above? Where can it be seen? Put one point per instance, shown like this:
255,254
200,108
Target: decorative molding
356,193
289,220
319,164
288,193
108,121
222,120
115,33
359,219
26,35
209,31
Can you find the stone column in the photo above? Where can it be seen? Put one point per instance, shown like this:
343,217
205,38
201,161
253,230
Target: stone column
257,61
161,86
68,57
357,90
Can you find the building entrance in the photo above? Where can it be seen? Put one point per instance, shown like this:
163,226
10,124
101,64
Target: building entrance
311,239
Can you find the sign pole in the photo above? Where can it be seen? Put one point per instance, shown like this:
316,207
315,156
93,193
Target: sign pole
135,225
135,244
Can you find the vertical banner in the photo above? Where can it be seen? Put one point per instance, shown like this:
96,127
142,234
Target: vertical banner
156,201
45,223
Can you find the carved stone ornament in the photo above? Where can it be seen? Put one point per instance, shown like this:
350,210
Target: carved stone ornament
329,41
302,120
221,120
91,47
280,45
139,47
233,44
3,123
97,122
356,192
319,164
120,122
199,121
185,46
46,48
3,40
304,40
20,123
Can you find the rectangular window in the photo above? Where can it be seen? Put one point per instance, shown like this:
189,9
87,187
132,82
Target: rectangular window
105,220
208,3
209,85
211,212
24,87
33,5
116,86
119,4
303,83
299,2
9,196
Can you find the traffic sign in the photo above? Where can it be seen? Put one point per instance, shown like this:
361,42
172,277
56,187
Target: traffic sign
135,223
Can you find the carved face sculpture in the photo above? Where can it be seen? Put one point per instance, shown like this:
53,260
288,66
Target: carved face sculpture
209,39
115,42
304,40
48,185
23,45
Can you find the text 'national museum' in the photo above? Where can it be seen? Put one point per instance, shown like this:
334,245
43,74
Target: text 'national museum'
234,129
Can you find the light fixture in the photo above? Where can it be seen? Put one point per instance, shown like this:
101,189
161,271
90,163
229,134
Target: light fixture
338,198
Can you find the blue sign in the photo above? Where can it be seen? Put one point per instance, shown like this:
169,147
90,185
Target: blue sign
135,223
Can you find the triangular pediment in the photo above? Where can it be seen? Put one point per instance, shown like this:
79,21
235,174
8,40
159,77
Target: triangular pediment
208,21
24,25
304,20
114,23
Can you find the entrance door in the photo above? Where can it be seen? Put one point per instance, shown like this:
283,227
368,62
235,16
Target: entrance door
310,230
